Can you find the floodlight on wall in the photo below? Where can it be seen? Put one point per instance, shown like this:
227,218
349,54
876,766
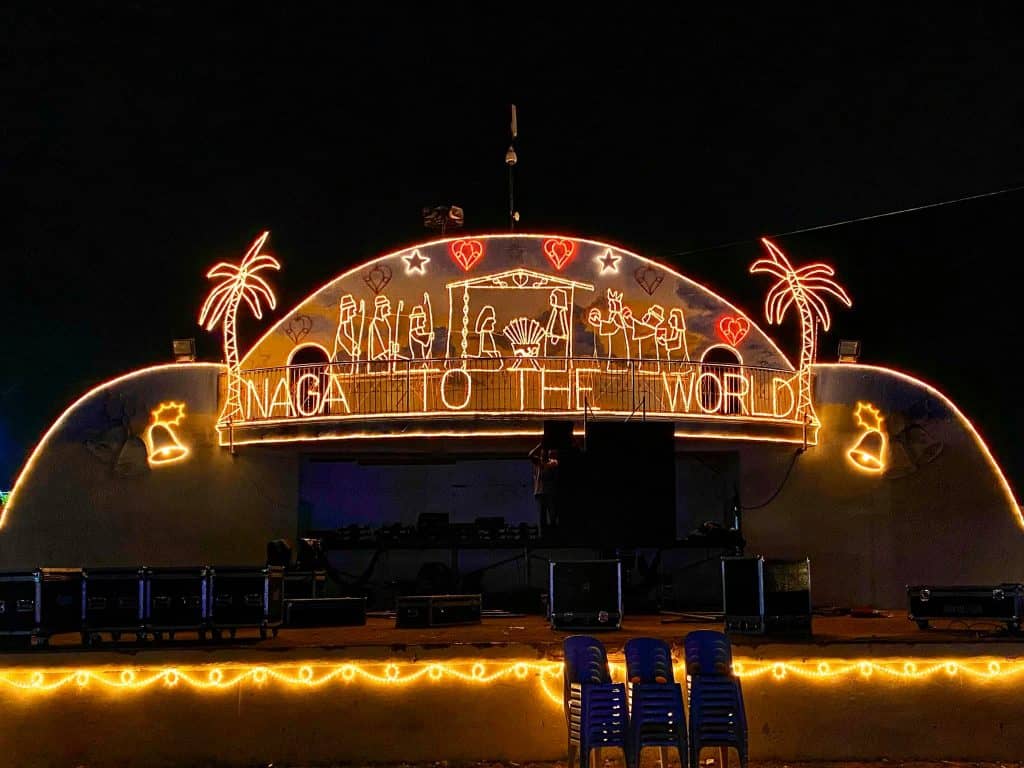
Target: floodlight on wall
184,350
849,351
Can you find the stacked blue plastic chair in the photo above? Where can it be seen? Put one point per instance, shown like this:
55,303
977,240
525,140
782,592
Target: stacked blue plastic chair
656,715
595,707
717,716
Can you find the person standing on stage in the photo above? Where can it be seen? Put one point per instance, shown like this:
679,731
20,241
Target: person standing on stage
545,486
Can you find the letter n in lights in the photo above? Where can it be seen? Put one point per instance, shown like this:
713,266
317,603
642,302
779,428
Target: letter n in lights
868,454
162,441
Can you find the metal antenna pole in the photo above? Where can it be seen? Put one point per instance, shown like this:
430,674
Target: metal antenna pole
510,160
511,195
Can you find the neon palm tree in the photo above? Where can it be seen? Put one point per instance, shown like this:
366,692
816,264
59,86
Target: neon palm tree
805,288
237,283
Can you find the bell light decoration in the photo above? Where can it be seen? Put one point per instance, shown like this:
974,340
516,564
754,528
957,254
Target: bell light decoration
161,440
869,453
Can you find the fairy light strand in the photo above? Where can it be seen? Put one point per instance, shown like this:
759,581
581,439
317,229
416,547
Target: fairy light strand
316,675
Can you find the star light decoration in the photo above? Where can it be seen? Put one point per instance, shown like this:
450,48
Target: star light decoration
609,262
415,262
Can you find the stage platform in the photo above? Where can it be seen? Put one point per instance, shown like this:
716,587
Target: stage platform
857,689
891,634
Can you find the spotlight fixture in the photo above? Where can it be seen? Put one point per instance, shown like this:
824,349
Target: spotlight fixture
443,217
184,350
849,351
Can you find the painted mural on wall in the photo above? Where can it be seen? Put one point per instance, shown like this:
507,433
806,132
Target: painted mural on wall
505,324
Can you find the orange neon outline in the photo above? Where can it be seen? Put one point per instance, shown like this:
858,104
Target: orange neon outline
156,457
317,674
450,414
551,251
532,236
609,262
800,286
419,258
1010,495
679,434
725,332
457,250
870,423
45,439
238,283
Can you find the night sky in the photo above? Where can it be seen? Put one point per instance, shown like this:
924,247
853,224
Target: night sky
140,142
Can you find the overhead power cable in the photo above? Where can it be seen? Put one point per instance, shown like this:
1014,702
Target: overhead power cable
844,222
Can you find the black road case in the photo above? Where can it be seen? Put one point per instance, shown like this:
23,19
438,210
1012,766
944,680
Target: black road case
58,600
325,612
585,594
113,600
18,604
1000,602
241,597
437,610
175,601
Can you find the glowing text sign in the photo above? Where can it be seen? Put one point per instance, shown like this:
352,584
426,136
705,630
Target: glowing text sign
497,386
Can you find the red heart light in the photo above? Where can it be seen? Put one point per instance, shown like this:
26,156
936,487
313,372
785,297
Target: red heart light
732,329
466,253
559,251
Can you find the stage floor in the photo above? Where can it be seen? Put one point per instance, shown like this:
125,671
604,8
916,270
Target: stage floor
530,635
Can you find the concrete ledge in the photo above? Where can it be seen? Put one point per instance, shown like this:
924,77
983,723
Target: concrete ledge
320,706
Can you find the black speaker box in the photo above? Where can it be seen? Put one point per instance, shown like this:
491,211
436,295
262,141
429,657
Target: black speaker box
585,594
558,434
766,596
630,487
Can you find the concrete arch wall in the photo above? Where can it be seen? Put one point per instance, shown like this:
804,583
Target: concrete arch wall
949,518
89,497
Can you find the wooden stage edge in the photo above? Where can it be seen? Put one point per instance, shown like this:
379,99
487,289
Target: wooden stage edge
530,636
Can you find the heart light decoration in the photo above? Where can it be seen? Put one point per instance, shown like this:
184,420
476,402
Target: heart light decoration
649,279
733,329
378,278
298,327
559,251
466,253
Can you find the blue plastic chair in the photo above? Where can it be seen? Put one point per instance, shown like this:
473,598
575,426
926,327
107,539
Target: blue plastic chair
708,653
656,715
717,715
595,707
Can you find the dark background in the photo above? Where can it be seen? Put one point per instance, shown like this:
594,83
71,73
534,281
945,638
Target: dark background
141,142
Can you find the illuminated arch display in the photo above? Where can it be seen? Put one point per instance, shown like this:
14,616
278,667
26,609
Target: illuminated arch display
512,329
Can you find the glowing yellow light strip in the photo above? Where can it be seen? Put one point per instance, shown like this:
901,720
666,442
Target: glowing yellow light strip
697,435
494,236
38,450
1010,495
213,677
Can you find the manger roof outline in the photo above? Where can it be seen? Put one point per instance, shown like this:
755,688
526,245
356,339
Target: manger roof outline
488,281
